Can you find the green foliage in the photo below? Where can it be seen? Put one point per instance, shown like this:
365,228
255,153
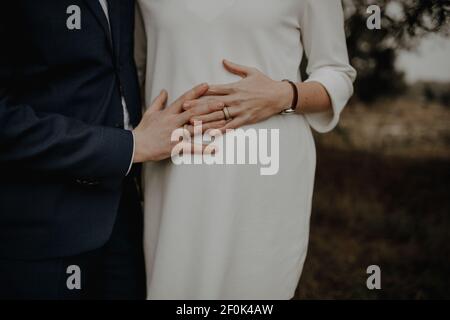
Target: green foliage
373,52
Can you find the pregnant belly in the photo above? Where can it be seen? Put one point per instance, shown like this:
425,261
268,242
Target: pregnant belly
207,194
280,146
280,135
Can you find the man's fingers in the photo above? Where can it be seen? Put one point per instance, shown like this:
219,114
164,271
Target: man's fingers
214,125
158,103
193,147
238,69
192,94
207,107
200,108
233,124
206,126
190,104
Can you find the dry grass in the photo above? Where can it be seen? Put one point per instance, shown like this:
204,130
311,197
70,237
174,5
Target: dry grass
382,198
405,127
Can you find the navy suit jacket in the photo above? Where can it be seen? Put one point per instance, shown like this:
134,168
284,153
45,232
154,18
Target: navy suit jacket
63,151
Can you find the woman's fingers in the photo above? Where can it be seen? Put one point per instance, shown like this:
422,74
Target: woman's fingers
158,103
230,88
238,69
200,104
215,116
218,115
220,89
227,89
226,100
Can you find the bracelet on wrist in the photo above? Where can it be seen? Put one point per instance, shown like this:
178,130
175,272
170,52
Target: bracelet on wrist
293,107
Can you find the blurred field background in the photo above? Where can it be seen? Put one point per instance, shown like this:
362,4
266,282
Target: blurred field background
382,183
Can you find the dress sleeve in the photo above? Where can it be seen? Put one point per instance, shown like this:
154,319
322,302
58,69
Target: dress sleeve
323,37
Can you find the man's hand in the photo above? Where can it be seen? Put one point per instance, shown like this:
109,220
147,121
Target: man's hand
153,134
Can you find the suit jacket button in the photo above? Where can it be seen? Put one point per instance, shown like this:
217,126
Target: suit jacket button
90,183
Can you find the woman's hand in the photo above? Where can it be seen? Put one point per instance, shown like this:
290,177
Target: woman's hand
251,100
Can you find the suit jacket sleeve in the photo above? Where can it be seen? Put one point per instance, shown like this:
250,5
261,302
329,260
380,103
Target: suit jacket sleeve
50,143
54,144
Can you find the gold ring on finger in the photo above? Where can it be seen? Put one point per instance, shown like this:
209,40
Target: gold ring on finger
226,112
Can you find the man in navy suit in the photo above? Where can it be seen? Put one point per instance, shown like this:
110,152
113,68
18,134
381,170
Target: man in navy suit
70,215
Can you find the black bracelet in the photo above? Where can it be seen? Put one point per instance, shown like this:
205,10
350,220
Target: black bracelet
295,89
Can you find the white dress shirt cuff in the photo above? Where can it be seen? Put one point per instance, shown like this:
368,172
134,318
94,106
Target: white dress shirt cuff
132,155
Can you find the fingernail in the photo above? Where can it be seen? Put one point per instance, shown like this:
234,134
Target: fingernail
186,105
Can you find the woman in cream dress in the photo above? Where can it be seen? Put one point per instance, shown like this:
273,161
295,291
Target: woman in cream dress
226,231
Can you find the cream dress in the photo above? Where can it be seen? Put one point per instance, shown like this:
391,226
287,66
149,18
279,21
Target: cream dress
226,231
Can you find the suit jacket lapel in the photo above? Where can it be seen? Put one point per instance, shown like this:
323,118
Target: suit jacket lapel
97,10
114,18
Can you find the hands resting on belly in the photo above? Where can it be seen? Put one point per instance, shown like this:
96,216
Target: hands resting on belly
253,99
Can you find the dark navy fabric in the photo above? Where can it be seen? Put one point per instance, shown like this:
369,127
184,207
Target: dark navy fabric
63,151
114,271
